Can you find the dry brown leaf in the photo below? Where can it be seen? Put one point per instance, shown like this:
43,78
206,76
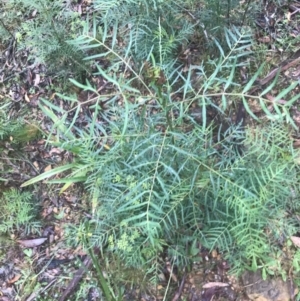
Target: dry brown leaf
296,241
214,254
214,284
26,97
47,168
56,151
31,243
15,279
37,79
265,40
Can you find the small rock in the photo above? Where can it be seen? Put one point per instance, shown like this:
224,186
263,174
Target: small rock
266,290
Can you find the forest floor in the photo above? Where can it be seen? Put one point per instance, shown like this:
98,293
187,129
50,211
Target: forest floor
39,265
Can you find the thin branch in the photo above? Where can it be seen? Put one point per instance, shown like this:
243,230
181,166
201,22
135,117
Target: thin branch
7,29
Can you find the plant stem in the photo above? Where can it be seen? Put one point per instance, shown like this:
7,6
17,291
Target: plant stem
103,283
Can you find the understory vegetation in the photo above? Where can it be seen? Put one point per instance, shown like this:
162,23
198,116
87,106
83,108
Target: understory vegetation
175,150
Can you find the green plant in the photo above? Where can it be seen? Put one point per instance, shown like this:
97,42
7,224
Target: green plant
163,28
156,28
217,14
44,33
104,283
14,134
159,181
18,212
15,130
296,270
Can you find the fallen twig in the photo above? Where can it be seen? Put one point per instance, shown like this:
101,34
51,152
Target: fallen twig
179,292
76,279
283,67
36,294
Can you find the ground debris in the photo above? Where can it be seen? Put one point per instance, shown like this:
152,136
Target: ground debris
266,290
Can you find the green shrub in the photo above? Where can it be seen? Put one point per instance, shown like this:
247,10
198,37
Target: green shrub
18,212
43,29
158,28
159,180
155,190
16,130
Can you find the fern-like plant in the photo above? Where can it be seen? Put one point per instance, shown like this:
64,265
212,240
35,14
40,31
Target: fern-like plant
156,27
44,34
18,212
158,179
16,130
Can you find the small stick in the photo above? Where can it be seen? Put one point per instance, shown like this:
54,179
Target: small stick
36,294
178,293
76,279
